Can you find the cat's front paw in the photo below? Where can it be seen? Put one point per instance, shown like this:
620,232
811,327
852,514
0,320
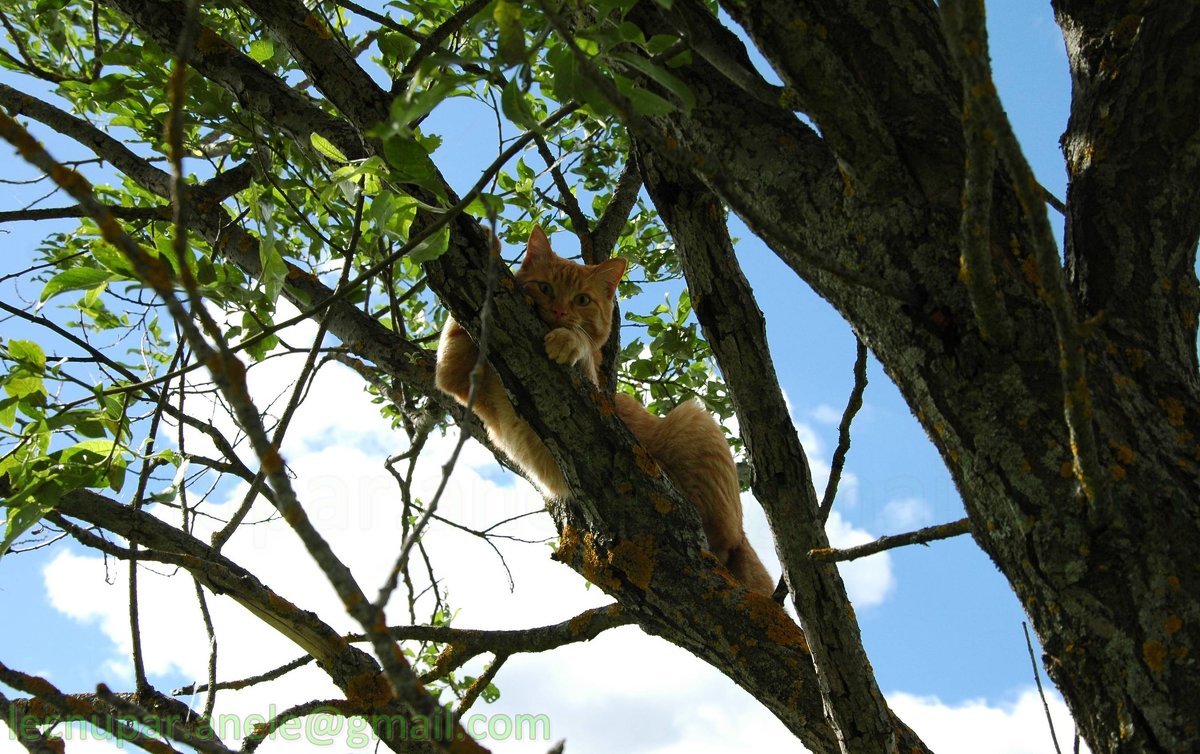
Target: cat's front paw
565,346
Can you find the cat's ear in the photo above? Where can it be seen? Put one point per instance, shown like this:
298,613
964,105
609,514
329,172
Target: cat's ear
538,247
609,273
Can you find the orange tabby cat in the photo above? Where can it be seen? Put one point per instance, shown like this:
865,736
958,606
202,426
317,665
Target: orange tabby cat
576,300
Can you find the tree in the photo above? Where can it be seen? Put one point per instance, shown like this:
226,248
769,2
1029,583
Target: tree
1060,390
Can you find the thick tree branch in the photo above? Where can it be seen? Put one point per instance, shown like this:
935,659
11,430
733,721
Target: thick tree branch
49,704
327,61
1132,147
1050,279
256,90
736,331
609,226
853,70
625,529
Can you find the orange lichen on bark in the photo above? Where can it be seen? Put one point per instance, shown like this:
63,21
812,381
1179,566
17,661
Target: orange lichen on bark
604,403
579,623
662,503
1137,357
645,462
316,26
568,543
272,462
596,567
1173,624
368,691
209,42
635,556
1175,411
1155,655
771,618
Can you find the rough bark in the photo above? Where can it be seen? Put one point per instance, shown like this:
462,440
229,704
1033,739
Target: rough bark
736,330
1114,601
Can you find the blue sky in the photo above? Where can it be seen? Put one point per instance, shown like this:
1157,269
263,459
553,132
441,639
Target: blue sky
941,627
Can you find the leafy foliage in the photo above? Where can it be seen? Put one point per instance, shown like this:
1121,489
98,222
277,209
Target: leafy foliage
85,390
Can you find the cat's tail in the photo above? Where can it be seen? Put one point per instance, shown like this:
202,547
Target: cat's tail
745,566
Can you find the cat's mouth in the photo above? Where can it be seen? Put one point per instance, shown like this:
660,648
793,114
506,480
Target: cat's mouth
566,321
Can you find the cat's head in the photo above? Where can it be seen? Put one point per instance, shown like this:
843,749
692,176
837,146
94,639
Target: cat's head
569,294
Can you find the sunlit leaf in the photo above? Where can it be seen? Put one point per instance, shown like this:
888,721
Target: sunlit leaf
326,147
76,278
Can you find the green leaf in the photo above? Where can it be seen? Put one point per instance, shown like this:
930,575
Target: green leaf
74,279
486,206
431,248
661,76
8,411
516,108
28,353
326,148
274,270
644,101
415,104
507,16
261,50
394,213
409,160
25,508
24,386
111,259
569,82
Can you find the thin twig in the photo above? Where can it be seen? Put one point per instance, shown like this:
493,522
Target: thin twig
480,685
919,537
382,20
1037,678
476,375
259,733
139,667
448,27
210,698
207,744
244,683
853,404
570,204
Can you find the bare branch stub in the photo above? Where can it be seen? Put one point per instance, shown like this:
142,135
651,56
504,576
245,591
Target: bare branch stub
919,537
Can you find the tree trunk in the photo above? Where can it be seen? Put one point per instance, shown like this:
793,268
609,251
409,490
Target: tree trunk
1112,586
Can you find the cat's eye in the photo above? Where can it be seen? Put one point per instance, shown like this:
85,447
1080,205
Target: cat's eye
545,288
583,299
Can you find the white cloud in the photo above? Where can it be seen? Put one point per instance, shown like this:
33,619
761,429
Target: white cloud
983,727
905,514
826,414
869,581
